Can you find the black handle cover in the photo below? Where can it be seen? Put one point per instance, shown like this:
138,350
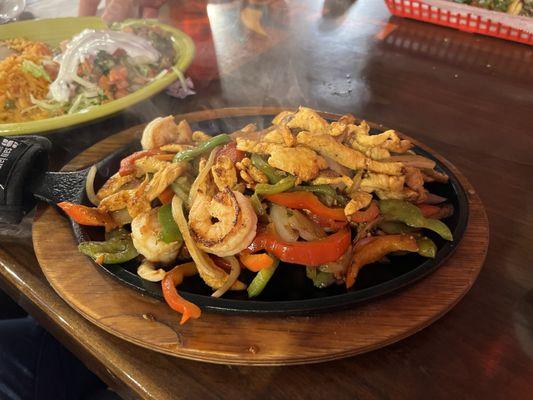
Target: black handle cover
22,159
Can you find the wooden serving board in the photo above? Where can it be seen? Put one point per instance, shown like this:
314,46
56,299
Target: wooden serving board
250,339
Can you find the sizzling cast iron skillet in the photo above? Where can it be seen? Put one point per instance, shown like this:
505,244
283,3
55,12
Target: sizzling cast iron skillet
288,292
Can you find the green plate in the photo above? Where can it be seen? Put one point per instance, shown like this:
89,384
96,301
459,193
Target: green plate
54,31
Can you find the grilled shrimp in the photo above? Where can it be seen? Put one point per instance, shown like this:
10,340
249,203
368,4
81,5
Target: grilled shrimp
145,233
223,225
163,131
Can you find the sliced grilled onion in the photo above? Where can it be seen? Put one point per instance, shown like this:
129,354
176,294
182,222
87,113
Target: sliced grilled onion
306,228
89,186
148,272
280,217
232,277
434,199
340,169
121,217
202,175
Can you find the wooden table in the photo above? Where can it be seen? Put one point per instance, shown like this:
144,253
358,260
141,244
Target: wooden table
469,97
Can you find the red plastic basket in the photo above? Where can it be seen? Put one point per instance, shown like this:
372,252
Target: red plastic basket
465,18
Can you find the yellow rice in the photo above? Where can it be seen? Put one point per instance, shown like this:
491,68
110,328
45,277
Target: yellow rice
17,85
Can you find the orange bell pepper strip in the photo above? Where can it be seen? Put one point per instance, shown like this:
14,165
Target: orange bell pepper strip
256,262
127,165
375,250
365,215
311,254
88,216
168,285
166,196
307,201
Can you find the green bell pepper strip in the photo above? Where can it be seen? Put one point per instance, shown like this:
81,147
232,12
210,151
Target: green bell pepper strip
261,279
119,233
169,229
264,189
328,193
117,250
426,247
208,145
273,175
395,227
320,189
320,279
256,204
399,210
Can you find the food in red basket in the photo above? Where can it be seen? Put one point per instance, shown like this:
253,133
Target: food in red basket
514,7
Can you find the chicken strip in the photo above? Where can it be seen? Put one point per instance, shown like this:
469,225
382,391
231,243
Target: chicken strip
300,161
149,165
250,174
327,146
388,140
414,178
283,117
114,184
430,175
342,182
359,201
382,182
307,119
149,190
117,201
375,153
282,135
405,194
342,126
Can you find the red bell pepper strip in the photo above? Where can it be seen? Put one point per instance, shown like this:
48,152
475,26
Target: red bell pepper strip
365,215
173,278
374,250
307,201
127,165
89,216
326,222
310,254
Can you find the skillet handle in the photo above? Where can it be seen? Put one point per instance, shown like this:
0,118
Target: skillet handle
22,160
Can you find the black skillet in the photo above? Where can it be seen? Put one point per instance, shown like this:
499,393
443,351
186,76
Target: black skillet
22,179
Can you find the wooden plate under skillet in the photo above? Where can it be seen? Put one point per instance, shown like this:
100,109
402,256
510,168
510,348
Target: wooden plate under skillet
325,328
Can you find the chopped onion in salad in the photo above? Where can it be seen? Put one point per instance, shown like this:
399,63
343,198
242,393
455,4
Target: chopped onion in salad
88,43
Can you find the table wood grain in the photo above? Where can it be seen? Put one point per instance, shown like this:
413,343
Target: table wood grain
467,96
